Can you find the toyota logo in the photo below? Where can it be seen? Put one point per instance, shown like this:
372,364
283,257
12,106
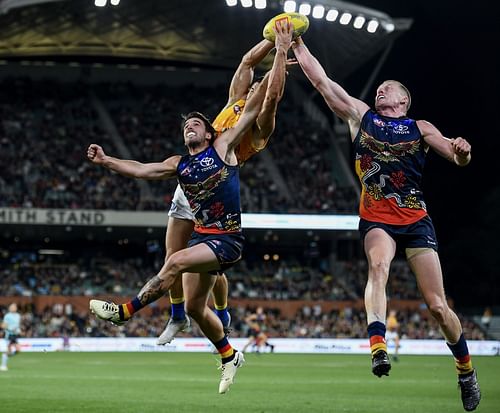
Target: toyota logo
206,162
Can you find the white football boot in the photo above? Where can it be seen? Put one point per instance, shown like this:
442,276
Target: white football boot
106,310
172,329
229,371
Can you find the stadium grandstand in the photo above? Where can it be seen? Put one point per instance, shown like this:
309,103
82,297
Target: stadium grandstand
121,74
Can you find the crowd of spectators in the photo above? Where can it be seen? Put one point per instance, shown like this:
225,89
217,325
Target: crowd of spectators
91,272
47,126
94,274
45,129
62,321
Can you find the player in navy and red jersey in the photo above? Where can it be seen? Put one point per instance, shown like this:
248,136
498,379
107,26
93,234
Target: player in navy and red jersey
181,219
390,153
209,177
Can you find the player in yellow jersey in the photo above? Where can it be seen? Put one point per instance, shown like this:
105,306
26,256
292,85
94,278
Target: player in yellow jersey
392,334
180,223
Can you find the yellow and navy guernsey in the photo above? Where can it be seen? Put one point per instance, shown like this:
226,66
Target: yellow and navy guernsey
212,189
226,119
390,157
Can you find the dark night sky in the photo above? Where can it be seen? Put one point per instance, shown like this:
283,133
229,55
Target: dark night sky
448,60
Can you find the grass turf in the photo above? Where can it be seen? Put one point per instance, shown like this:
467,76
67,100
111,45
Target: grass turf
182,382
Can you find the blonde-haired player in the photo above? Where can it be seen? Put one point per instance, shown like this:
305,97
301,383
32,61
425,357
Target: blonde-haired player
180,224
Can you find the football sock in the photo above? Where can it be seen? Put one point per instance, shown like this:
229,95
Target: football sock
4,359
463,363
376,333
128,309
225,350
177,308
223,314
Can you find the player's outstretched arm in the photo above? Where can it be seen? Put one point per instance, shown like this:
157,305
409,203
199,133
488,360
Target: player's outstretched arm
227,141
276,83
456,150
348,108
134,169
242,78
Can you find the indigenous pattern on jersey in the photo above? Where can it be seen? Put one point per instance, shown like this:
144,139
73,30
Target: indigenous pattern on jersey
226,119
390,157
213,190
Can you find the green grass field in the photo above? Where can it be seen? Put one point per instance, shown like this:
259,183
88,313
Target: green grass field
182,382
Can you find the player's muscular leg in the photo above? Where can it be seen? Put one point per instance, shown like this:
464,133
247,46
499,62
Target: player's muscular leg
425,264
220,291
177,236
197,288
380,249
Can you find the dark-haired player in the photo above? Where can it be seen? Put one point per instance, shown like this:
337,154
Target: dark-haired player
209,178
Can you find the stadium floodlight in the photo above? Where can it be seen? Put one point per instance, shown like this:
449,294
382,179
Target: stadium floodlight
246,3
358,22
345,18
332,15
290,6
372,26
114,2
231,3
100,3
260,4
318,12
305,9
389,27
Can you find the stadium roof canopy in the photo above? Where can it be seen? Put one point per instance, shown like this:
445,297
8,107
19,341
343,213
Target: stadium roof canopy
202,32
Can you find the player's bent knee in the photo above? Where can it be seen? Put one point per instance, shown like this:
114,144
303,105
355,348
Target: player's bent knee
439,311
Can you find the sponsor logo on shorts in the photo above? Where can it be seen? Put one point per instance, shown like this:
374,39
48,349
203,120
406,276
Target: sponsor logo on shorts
431,240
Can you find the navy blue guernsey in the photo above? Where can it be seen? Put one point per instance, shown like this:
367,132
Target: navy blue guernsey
213,190
390,157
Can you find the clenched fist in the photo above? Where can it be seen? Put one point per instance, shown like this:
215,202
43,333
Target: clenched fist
462,149
96,154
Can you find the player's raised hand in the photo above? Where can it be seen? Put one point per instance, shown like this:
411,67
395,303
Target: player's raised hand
96,154
461,147
283,30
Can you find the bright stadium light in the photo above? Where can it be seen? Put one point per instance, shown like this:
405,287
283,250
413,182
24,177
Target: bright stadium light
358,22
246,3
345,18
389,27
115,2
260,4
372,26
305,9
100,3
289,6
318,12
332,15
231,3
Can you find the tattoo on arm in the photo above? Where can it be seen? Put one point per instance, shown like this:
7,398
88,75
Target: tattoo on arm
155,288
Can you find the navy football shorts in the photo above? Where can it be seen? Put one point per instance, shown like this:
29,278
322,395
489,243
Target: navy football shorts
226,247
420,234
